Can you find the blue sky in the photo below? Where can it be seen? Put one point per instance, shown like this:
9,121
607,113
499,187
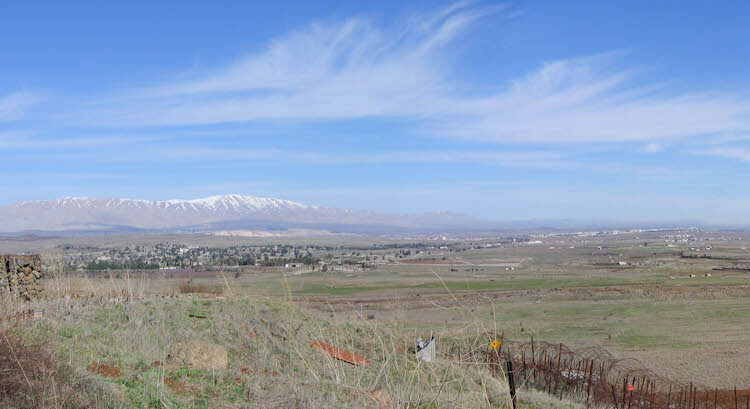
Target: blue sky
627,111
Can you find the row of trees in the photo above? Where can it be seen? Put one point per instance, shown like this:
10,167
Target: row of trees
126,265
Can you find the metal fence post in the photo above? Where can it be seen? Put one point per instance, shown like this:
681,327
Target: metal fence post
511,383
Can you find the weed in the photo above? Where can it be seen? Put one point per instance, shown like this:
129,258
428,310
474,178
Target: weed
190,287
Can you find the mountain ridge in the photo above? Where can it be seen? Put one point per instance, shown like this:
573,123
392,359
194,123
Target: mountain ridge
87,213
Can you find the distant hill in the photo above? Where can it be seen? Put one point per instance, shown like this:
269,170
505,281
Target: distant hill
226,212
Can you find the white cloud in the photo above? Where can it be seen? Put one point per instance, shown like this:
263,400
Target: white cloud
515,159
578,101
348,69
349,58
356,69
728,152
654,147
12,106
25,141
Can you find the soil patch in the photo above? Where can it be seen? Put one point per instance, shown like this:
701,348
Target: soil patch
178,388
105,370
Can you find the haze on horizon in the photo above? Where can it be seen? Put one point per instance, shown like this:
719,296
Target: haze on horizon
634,111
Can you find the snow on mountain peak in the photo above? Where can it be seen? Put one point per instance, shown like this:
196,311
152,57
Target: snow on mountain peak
84,213
237,201
232,202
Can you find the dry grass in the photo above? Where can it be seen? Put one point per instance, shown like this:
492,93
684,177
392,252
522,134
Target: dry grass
271,362
31,376
190,287
129,322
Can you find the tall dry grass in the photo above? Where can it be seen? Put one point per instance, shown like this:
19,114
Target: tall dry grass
33,377
271,337
394,379
190,287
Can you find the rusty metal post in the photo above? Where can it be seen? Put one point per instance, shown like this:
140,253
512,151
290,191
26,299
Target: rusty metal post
691,401
669,395
716,397
614,397
588,387
736,403
695,392
624,390
511,383
547,372
682,397
533,359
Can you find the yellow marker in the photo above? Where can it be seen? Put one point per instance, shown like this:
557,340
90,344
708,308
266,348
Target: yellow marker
495,345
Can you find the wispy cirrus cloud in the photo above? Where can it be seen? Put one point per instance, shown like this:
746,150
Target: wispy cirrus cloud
22,141
13,105
515,159
349,58
347,69
653,147
168,153
738,153
577,100
356,68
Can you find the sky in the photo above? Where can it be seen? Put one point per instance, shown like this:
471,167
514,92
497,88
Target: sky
634,111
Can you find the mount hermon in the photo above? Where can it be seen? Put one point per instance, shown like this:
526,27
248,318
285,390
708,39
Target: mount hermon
78,214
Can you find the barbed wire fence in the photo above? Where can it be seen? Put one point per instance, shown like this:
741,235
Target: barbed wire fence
594,376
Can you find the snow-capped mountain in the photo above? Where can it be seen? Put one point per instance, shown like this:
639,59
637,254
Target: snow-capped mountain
210,206
206,214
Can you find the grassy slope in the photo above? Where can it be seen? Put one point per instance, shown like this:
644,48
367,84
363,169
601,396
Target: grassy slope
270,361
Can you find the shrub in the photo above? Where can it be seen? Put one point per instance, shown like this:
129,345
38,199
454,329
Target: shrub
32,377
189,287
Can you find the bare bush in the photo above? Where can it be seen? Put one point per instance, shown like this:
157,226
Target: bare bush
190,287
31,377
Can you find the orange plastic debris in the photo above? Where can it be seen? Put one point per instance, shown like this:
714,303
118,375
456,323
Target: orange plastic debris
338,353
631,388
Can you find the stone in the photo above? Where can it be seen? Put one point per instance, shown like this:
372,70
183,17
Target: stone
20,275
200,355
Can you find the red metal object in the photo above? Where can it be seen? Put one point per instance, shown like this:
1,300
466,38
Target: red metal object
338,353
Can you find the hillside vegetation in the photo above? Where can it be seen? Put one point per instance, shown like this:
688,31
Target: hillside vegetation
239,352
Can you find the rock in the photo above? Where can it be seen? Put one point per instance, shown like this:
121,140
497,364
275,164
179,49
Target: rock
20,275
200,355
